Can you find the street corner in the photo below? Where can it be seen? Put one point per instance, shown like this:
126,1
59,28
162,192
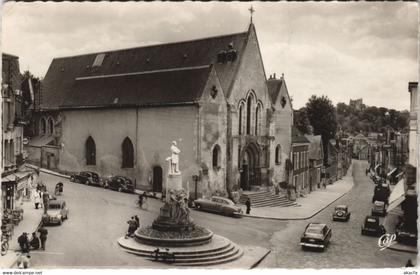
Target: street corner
251,258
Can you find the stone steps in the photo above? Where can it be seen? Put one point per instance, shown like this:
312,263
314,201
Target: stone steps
219,251
266,199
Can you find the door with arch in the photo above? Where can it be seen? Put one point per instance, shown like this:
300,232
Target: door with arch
157,179
250,167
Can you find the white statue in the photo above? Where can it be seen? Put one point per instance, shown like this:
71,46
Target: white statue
174,159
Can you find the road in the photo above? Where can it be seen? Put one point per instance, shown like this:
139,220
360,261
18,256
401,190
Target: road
98,218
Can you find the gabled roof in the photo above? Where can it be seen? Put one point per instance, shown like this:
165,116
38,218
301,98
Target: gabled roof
183,86
60,79
274,86
298,137
315,146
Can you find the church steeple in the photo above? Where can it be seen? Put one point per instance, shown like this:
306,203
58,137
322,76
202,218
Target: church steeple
251,10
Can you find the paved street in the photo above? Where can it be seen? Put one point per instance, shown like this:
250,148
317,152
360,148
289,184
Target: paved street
348,248
86,240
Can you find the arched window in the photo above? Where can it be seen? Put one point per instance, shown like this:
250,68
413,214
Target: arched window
50,126
248,114
258,119
278,154
43,128
216,157
90,151
241,111
127,153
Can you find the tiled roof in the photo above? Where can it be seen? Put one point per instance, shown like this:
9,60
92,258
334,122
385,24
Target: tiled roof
145,89
59,82
315,147
298,137
11,71
274,86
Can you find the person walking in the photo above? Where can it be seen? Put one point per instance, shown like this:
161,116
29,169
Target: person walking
45,200
137,219
34,243
43,232
37,199
131,227
24,242
248,206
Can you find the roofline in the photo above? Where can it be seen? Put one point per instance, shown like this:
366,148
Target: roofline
145,72
11,55
154,45
117,106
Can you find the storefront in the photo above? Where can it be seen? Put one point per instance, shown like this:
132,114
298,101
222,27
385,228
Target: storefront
15,187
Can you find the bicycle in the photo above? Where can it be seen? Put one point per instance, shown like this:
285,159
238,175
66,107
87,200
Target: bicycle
143,205
4,244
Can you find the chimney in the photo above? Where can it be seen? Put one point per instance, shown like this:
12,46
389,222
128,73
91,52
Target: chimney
274,76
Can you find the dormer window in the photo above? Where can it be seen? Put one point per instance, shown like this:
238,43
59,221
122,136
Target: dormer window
213,92
283,101
98,60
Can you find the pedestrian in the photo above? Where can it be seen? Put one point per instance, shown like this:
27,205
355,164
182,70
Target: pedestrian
248,206
131,227
23,261
136,218
34,243
367,171
45,200
409,263
37,199
24,242
141,196
43,232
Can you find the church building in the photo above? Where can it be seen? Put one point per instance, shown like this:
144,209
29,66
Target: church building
119,112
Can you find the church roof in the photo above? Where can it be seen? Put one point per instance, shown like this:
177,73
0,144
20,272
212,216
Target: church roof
180,86
61,81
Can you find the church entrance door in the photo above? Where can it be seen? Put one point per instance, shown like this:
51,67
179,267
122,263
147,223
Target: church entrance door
157,179
250,167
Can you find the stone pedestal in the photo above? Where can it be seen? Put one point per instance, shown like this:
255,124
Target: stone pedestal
173,182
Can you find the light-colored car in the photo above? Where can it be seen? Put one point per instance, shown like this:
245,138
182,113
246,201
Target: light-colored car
379,208
218,205
57,212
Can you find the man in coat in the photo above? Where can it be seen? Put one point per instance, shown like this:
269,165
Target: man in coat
43,236
24,242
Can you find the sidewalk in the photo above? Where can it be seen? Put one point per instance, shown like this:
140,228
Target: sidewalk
31,220
309,206
46,171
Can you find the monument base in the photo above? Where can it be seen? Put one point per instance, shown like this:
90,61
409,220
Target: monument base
173,182
165,222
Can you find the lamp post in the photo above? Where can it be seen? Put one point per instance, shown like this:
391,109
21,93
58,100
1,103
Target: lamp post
195,179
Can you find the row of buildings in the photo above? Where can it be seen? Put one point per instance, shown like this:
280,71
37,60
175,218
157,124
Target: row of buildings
117,112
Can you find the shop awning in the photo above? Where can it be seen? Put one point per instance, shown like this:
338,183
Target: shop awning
392,171
19,178
397,196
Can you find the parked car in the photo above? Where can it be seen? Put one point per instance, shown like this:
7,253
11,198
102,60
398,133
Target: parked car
371,227
405,236
379,209
381,192
218,205
341,213
57,212
316,235
120,184
87,177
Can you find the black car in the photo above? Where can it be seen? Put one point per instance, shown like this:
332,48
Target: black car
341,213
120,183
406,236
316,235
381,193
87,177
371,227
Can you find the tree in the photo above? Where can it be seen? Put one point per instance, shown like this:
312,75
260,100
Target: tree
322,116
301,121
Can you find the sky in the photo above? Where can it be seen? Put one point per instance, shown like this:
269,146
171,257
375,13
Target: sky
345,50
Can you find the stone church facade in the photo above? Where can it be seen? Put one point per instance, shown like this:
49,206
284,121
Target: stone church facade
120,111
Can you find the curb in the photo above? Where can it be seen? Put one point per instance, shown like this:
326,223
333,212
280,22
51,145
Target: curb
46,171
297,219
260,260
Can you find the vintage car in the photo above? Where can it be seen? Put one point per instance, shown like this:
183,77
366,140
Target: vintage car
371,227
57,212
379,208
405,236
218,205
316,235
120,184
381,192
87,177
341,213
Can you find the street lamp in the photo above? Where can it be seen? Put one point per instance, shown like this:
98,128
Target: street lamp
195,179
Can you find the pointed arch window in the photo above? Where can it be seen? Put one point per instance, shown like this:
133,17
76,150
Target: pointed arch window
127,153
43,128
50,126
248,114
258,119
278,154
241,110
90,151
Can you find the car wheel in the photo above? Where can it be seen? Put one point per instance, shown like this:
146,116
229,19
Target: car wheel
61,222
198,206
71,179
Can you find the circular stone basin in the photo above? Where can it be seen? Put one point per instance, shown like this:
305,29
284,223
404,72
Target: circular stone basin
198,236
